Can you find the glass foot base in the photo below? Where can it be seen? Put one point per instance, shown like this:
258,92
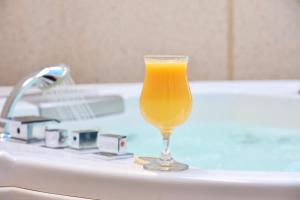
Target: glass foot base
157,166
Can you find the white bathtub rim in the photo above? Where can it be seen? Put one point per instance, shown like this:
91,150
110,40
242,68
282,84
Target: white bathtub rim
127,170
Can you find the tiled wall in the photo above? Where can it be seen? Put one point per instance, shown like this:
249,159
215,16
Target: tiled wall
104,41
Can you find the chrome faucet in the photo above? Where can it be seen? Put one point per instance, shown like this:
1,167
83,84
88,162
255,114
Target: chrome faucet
43,79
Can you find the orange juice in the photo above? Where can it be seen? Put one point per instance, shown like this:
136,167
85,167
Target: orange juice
166,100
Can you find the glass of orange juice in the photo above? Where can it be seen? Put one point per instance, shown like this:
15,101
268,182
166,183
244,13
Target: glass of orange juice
166,102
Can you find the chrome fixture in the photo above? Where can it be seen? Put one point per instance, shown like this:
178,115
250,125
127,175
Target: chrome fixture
43,79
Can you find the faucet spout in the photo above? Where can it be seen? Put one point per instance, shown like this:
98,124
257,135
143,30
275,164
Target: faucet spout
43,79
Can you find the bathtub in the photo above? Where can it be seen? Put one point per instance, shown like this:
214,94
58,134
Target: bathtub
33,172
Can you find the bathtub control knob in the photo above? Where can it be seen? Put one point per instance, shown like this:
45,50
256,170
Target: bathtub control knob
112,143
84,139
28,129
56,138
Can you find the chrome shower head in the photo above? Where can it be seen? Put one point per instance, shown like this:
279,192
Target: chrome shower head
50,76
43,79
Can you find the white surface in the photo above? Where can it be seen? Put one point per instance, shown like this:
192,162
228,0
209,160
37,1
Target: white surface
12,193
63,172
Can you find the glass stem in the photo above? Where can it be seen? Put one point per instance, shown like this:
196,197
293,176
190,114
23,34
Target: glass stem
166,158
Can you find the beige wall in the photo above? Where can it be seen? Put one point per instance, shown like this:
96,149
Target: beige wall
105,40
267,39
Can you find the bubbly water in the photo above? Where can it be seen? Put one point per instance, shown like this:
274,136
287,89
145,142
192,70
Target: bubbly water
224,146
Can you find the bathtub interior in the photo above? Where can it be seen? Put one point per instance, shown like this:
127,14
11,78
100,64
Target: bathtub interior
237,132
